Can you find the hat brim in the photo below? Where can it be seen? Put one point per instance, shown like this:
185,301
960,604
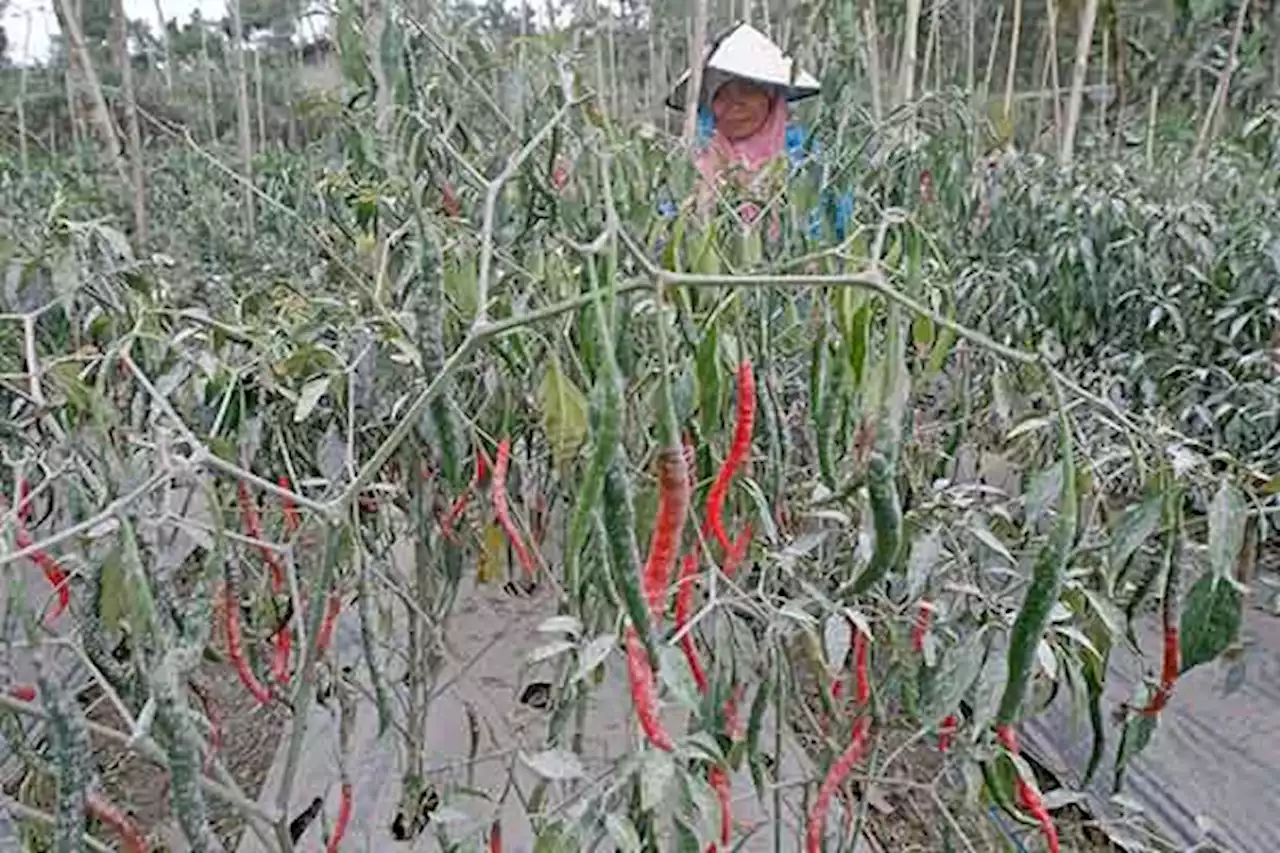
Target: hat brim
745,53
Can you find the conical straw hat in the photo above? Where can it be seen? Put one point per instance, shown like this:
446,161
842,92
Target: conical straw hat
746,52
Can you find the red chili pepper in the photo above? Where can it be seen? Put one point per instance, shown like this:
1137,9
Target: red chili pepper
684,607
332,610
559,176
949,726
282,651
253,528
502,508
231,613
644,695
738,452
460,502
673,503
103,810
921,628
495,837
720,783
53,571
736,553
863,682
1171,666
835,777
344,815
23,692
1029,797
292,520
732,721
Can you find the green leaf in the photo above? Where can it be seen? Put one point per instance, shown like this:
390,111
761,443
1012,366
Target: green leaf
564,414
1226,529
1137,523
310,398
1137,734
114,602
707,373
1211,620
555,764
656,775
960,670
623,832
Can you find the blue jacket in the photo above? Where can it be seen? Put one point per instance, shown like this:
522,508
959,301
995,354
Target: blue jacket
802,150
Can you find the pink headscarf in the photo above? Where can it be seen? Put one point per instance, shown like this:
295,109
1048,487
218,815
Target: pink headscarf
751,153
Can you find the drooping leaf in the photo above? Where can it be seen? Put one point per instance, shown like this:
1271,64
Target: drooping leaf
555,764
309,398
1137,734
837,636
1226,529
1137,524
656,775
622,832
564,414
1211,617
959,671
492,556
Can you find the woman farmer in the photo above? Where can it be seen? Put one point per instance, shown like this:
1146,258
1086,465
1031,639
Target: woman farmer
753,149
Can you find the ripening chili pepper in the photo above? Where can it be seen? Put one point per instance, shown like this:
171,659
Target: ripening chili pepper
502,507
921,629
103,810
673,504
559,176
945,733
235,651
460,502
292,520
1029,797
862,683
738,452
344,815
684,607
718,778
732,722
1171,666
495,837
23,692
835,777
644,694
332,610
450,203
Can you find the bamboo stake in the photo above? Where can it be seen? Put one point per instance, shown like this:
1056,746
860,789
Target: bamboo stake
1084,46
257,93
133,138
693,95
168,52
1209,128
101,115
1011,75
873,59
210,111
242,116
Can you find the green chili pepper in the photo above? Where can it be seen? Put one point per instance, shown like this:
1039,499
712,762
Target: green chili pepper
886,514
1046,587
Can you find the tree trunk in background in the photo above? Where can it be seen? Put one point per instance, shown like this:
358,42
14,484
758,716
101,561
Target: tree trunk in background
1055,81
931,47
1079,74
100,114
133,135
211,112
23,162
164,44
242,115
693,95
1217,106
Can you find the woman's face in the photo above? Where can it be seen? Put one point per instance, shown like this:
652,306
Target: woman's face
741,109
